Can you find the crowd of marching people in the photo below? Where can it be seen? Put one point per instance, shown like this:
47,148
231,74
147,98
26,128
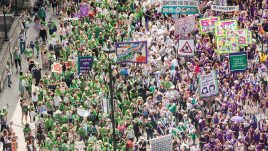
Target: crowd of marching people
72,111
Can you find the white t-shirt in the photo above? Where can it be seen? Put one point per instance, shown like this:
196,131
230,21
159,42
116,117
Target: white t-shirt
34,98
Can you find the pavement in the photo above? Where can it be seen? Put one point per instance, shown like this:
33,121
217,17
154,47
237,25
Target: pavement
11,96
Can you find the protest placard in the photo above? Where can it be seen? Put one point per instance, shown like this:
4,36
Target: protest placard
57,67
227,44
221,27
224,8
207,25
180,7
135,52
249,37
163,143
242,37
84,64
208,85
186,47
184,26
238,61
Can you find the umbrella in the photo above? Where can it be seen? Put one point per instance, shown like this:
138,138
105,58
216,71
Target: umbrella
82,112
237,119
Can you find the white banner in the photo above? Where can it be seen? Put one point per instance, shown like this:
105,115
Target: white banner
163,143
224,8
186,47
208,85
184,26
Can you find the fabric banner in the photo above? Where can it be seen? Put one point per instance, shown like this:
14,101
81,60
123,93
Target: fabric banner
208,85
222,26
180,7
84,64
57,67
186,47
238,61
227,44
249,37
207,25
135,52
242,34
224,8
242,37
163,143
184,26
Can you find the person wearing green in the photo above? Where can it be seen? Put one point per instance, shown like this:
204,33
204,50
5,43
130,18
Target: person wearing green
42,14
49,123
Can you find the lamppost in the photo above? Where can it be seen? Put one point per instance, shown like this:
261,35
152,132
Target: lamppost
109,51
5,24
16,8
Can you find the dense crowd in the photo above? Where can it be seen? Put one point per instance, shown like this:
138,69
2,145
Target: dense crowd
151,100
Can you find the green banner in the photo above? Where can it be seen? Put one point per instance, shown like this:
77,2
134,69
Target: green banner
238,61
180,7
227,44
222,27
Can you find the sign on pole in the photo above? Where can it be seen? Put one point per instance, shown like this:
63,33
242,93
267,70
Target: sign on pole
207,25
57,67
186,47
238,61
84,64
163,143
224,8
227,44
135,52
208,85
242,37
221,27
184,26
180,7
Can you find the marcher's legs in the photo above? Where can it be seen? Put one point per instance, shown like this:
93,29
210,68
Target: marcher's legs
22,47
9,80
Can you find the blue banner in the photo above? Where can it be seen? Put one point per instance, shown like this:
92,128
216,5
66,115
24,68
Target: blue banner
84,64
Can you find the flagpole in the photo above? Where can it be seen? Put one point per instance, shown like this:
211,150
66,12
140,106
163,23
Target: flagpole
111,97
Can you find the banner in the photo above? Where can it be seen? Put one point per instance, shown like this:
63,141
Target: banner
162,143
186,47
84,64
57,67
238,61
227,44
242,34
242,37
208,85
207,25
224,8
184,26
249,37
222,26
180,7
135,52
